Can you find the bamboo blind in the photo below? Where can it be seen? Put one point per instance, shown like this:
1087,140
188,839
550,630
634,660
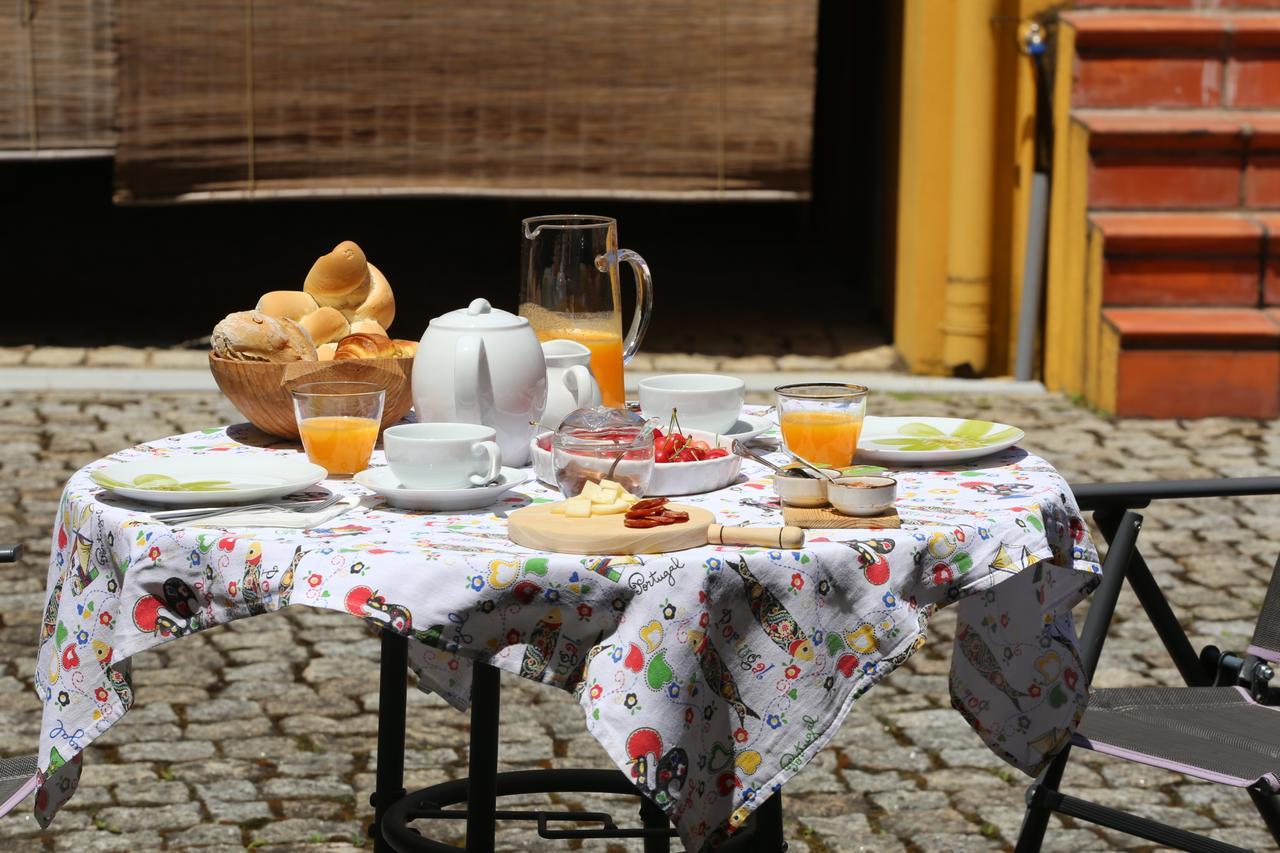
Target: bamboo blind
58,95
666,98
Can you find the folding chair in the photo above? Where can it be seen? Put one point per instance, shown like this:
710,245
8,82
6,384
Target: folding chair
17,775
1223,726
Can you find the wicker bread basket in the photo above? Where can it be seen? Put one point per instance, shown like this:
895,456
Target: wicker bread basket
261,390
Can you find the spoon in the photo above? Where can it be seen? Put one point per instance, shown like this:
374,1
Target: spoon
806,463
746,453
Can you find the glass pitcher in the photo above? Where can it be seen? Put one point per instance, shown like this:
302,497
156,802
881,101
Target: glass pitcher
569,289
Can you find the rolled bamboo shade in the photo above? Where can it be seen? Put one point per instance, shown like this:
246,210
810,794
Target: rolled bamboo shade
667,98
58,97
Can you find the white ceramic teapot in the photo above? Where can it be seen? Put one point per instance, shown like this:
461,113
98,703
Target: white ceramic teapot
482,365
570,384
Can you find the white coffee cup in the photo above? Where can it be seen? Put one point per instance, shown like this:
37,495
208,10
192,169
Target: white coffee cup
702,401
442,455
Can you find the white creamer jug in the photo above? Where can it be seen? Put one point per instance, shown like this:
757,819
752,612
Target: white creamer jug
570,384
483,365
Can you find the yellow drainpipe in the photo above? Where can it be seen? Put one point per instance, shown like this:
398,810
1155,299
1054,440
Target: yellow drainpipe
966,318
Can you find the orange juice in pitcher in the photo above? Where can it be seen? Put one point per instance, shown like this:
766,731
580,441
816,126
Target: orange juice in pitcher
569,289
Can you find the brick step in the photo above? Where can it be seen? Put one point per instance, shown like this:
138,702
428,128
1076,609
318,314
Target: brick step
1186,259
1189,160
1203,60
1192,362
1180,5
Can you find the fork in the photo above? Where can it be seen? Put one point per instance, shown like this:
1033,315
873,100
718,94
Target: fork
185,516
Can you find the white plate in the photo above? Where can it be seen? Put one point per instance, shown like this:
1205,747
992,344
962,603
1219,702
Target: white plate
382,481
669,478
920,441
747,428
253,477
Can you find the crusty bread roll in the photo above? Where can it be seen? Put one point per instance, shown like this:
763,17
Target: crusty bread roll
365,346
254,336
340,278
405,349
325,325
293,304
325,352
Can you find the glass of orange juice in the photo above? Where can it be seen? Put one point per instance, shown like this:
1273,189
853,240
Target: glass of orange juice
339,423
821,421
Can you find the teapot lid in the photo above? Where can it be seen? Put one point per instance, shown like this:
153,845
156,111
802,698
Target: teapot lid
479,315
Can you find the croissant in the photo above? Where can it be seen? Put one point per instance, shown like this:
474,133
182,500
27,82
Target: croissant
405,349
365,346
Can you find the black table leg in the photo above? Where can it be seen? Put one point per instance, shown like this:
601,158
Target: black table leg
652,817
482,788
392,687
769,837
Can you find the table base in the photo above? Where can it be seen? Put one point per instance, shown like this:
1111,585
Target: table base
394,810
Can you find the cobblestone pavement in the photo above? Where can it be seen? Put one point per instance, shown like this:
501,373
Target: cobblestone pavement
213,757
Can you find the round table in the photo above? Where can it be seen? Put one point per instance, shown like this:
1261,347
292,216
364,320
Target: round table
711,676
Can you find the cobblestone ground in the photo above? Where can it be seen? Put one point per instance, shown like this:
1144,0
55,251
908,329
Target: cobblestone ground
214,755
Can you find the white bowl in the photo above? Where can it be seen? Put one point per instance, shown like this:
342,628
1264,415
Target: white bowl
802,491
702,401
669,478
862,496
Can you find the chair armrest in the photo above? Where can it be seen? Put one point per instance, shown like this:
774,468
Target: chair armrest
1135,495
10,553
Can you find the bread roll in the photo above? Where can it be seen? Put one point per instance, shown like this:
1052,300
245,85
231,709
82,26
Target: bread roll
365,346
299,340
325,325
340,279
254,336
405,349
368,327
293,304
380,304
325,352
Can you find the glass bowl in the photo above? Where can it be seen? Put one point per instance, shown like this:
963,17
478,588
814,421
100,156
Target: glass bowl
600,443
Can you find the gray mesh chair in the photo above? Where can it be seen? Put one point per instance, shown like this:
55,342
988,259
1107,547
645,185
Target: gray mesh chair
1222,727
17,775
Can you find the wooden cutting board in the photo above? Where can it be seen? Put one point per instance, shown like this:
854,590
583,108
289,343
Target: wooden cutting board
538,528
824,517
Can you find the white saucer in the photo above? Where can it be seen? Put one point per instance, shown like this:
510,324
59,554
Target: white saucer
382,481
748,427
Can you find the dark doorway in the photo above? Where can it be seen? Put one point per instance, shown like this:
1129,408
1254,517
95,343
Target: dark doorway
730,278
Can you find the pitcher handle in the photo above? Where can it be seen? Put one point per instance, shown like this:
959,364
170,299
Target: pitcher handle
644,302
468,352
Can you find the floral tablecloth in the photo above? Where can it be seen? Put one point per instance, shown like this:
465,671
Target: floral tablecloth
711,675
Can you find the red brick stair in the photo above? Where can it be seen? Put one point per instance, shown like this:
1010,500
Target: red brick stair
1182,109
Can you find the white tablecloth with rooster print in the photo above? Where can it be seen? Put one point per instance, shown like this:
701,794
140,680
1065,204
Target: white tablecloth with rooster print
711,676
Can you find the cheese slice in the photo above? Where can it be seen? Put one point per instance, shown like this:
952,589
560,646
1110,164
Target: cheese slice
591,491
579,507
610,509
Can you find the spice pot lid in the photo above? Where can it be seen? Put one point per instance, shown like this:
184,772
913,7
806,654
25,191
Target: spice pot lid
479,315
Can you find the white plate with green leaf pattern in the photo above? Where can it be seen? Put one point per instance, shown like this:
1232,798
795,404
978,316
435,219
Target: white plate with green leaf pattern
932,441
209,480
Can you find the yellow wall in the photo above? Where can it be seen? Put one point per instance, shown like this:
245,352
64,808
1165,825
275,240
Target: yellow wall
924,173
966,153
